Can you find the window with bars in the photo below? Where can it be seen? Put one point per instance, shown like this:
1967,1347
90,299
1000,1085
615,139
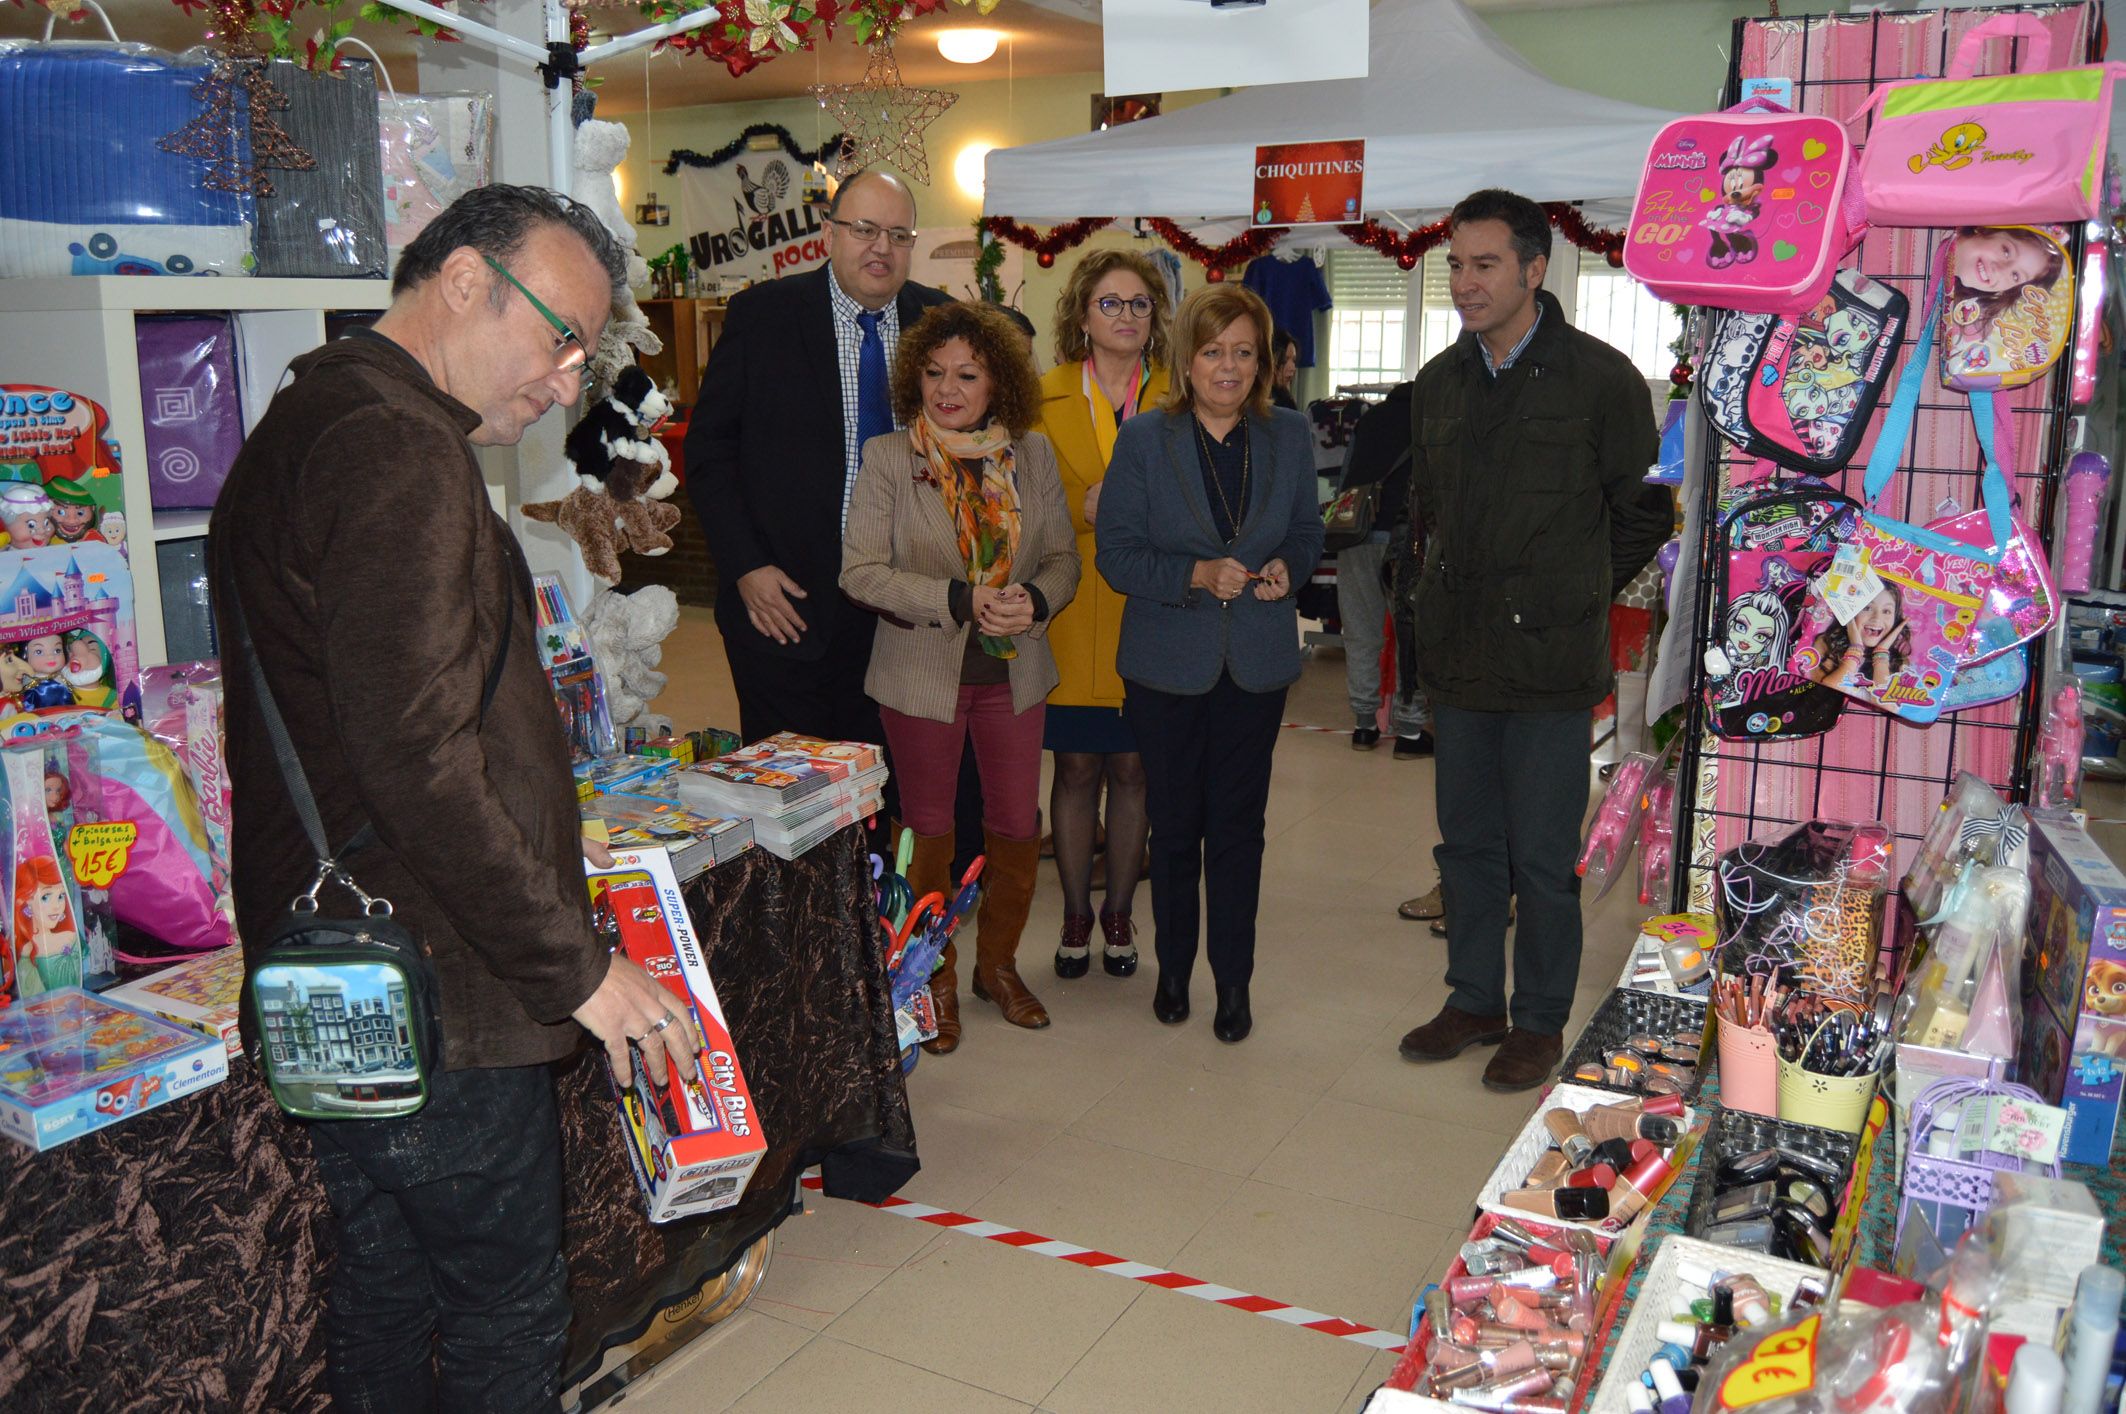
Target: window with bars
1366,328
1617,310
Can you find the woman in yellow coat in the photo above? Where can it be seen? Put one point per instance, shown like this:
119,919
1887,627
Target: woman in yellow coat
1111,348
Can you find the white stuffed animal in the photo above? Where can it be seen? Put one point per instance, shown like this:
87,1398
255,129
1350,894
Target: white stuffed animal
600,148
627,632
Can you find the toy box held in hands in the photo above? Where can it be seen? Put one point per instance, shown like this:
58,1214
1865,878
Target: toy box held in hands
693,1146
2074,1006
71,1063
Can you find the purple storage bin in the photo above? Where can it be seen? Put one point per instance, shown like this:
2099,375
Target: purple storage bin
189,404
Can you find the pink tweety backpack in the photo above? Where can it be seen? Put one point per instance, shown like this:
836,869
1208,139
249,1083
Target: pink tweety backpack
1748,209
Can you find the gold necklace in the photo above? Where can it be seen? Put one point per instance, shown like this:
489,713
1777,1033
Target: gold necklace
1247,458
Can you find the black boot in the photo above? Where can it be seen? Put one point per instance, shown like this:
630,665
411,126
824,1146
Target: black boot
1234,1020
1170,999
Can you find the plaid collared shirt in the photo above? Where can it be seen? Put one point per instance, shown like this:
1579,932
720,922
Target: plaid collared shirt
848,347
1513,355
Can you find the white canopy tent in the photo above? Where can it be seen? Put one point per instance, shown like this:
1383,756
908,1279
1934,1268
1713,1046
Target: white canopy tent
1446,108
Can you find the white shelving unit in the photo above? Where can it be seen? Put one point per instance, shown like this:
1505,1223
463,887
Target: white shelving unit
78,334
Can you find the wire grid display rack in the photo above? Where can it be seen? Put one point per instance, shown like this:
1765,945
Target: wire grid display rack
1871,767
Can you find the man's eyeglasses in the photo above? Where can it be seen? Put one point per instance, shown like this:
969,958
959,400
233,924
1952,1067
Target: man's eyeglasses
569,352
866,232
1112,305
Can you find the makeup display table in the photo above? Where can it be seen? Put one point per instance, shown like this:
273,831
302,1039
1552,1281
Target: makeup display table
194,1240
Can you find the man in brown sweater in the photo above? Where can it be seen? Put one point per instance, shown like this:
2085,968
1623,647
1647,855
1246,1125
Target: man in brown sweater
377,582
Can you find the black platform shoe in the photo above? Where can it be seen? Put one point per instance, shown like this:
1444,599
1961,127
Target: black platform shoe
1118,953
1170,1000
1074,953
1234,1020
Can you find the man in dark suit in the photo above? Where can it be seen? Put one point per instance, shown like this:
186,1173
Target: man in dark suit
795,386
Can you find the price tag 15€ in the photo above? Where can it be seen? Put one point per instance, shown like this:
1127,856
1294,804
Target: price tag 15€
100,851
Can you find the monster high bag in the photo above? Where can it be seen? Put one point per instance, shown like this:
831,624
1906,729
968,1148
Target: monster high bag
1799,389
1774,538
1747,209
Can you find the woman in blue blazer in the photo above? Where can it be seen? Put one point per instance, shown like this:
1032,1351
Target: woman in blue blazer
1208,518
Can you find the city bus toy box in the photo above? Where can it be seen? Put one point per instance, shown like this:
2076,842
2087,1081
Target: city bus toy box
2073,1047
72,1062
693,1146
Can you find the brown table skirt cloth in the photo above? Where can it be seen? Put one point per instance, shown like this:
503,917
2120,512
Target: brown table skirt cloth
178,1260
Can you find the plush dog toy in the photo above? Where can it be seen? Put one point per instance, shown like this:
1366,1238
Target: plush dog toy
603,527
614,449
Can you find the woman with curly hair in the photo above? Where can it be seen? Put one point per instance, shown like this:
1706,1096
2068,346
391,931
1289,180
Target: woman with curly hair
959,538
1111,352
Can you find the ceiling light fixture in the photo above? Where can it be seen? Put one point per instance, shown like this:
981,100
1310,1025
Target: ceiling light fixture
968,46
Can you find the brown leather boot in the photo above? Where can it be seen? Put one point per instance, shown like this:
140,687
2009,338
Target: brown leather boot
1450,1033
929,872
1007,893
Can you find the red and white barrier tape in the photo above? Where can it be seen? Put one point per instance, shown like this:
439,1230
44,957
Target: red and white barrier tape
1094,1260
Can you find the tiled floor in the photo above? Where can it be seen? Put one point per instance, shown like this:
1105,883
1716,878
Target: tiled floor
1310,1164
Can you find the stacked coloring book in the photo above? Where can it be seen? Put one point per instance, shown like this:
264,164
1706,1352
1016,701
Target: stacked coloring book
652,818
797,790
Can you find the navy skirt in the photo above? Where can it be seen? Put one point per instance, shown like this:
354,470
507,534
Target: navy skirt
1093,731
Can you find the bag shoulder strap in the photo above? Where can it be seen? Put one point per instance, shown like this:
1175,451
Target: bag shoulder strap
1896,431
298,780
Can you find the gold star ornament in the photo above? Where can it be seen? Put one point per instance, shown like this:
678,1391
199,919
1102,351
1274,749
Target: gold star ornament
883,118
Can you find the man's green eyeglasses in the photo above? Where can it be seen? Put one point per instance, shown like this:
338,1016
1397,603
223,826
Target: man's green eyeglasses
569,352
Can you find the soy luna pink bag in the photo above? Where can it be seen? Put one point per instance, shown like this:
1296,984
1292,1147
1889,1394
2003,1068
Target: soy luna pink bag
2007,149
1748,209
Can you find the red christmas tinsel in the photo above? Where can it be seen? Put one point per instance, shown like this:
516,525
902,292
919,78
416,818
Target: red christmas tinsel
1046,248
1217,261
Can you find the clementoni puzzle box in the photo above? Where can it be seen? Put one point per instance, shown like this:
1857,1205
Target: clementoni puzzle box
72,1062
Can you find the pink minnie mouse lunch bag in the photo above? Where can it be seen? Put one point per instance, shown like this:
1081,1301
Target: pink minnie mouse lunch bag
1748,209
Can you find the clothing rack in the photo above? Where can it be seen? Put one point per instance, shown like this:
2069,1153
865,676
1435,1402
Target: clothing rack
1871,766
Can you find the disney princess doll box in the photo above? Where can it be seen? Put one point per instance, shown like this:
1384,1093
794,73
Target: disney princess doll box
72,1062
2073,1049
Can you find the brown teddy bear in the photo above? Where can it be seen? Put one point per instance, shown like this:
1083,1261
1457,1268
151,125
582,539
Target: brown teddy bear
602,526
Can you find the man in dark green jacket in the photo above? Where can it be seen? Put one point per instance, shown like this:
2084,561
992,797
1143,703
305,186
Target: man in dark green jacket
1530,444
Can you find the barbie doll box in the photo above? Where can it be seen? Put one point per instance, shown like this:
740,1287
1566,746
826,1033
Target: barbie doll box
72,1062
203,993
2073,1049
693,1145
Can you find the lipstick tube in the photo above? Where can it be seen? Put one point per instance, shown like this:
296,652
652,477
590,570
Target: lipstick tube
1439,1312
1464,1292
1513,1315
1503,1394
1530,1278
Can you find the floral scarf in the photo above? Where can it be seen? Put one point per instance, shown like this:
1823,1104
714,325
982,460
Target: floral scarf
983,506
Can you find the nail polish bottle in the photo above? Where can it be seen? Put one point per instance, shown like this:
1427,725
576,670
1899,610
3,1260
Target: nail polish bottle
1676,1355
1639,1399
1753,1306
1669,1397
1696,1341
